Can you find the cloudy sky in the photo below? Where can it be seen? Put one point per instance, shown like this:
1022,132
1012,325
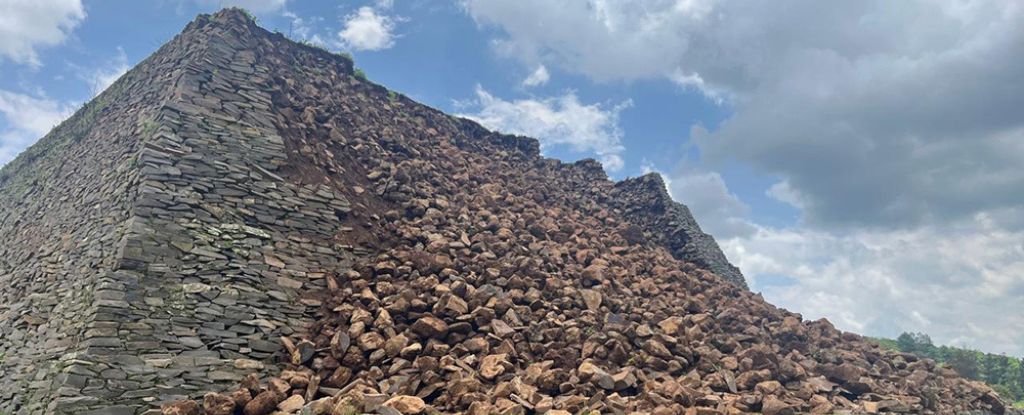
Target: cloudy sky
858,160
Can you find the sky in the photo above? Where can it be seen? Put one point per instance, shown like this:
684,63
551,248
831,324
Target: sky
858,160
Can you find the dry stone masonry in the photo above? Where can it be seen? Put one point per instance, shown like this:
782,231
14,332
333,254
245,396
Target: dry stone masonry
240,225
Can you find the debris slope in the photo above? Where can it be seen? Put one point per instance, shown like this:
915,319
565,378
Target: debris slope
498,281
293,237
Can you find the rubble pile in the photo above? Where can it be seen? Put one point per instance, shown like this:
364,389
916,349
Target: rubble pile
243,224
493,280
261,202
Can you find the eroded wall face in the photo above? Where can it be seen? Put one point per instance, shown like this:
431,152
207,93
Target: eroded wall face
65,207
647,204
61,220
150,248
220,248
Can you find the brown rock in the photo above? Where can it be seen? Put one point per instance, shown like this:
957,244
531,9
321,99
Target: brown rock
501,329
218,404
823,408
656,348
492,366
339,378
430,327
790,370
280,386
455,304
624,379
407,405
671,326
594,274
292,405
592,298
846,373
187,407
370,341
264,403
770,387
304,352
339,344
393,347
587,370
273,261
477,345
251,382
820,384
771,405
747,380
320,406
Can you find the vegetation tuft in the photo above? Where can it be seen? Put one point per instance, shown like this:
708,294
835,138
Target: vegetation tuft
250,16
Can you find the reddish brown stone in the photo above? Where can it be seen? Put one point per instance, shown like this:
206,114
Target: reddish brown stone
180,408
264,403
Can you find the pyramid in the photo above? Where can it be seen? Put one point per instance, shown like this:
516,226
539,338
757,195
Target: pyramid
243,213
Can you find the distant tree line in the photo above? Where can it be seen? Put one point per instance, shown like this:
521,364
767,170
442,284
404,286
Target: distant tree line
1005,374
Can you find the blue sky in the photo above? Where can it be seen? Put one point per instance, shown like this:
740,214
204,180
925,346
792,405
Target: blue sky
858,161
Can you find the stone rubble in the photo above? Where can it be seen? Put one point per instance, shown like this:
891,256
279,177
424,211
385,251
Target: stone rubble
503,282
256,230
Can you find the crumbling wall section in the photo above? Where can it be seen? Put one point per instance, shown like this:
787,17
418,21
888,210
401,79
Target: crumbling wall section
151,247
220,247
645,202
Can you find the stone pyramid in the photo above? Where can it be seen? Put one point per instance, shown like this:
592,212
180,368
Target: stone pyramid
236,194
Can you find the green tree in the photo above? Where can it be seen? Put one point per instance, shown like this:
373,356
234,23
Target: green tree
906,343
964,362
1003,373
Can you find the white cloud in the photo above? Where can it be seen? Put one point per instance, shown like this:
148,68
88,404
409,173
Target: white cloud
878,115
304,29
718,211
961,284
606,40
26,25
100,78
557,122
26,120
785,193
367,30
694,81
538,77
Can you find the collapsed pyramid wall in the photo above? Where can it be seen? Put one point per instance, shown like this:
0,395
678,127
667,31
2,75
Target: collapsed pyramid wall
164,237
647,203
479,229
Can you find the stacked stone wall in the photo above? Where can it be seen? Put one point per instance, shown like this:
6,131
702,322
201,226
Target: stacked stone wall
65,207
151,250
220,247
645,202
